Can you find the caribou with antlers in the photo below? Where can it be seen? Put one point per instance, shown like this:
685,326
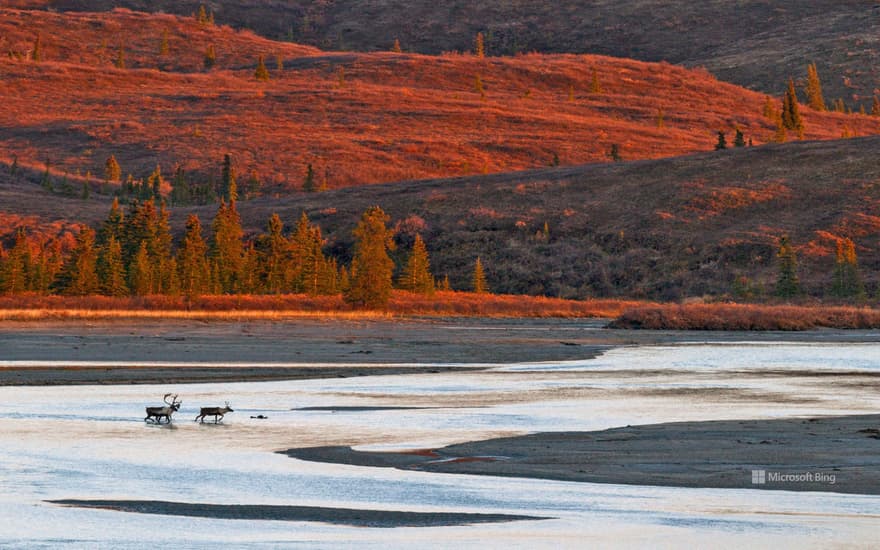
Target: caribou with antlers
216,412
158,413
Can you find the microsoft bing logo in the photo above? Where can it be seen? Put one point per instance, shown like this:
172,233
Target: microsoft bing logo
759,477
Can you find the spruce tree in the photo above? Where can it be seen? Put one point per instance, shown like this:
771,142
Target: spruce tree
739,139
787,283
113,226
274,257
79,277
192,261
140,273
721,144
14,269
815,99
416,276
478,86
396,47
847,279
770,109
261,73
210,57
163,46
479,46
478,282
111,270
228,183
614,153
372,268
112,170
227,249
595,85
791,116
37,52
120,58
309,183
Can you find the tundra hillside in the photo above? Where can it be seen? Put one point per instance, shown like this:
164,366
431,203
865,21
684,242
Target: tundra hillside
754,43
150,100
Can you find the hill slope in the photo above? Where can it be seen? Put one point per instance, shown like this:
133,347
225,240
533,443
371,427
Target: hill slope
665,228
754,43
357,118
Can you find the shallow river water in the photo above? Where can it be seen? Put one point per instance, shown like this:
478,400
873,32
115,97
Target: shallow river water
91,442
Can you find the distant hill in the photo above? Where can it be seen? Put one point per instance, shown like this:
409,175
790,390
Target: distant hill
667,229
755,43
355,117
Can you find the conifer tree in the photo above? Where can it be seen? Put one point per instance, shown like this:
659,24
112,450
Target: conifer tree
192,261
614,153
78,277
112,170
229,185
721,144
780,135
262,73
210,57
478,283
202,15
309,183
595,85
444,284
227,249
164,272
37,52
274,257
787,283
113,226
372,268
739,140
770,109
180,188
140,273
815,99
847,279
416,276
396,47
14,269
791,116
479,46
120,58
163,46
478,86
111,270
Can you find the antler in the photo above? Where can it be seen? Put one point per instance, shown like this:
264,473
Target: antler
173,398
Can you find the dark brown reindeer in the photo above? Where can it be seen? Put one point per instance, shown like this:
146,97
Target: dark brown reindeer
216,412
158,413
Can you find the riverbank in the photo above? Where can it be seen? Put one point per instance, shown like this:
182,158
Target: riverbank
830,454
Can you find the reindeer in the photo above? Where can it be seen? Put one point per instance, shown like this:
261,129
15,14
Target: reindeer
216,412
158,413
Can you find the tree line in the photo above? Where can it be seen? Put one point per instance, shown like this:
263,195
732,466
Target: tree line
132,254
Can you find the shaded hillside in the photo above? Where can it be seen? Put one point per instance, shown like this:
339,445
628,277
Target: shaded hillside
666,229
357,118
754,43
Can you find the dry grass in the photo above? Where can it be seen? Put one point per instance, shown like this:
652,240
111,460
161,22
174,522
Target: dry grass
393,116
747,317
280,308
752,42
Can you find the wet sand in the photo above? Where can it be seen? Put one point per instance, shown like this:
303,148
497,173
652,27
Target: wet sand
336,516
352,346
829,454
92,375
